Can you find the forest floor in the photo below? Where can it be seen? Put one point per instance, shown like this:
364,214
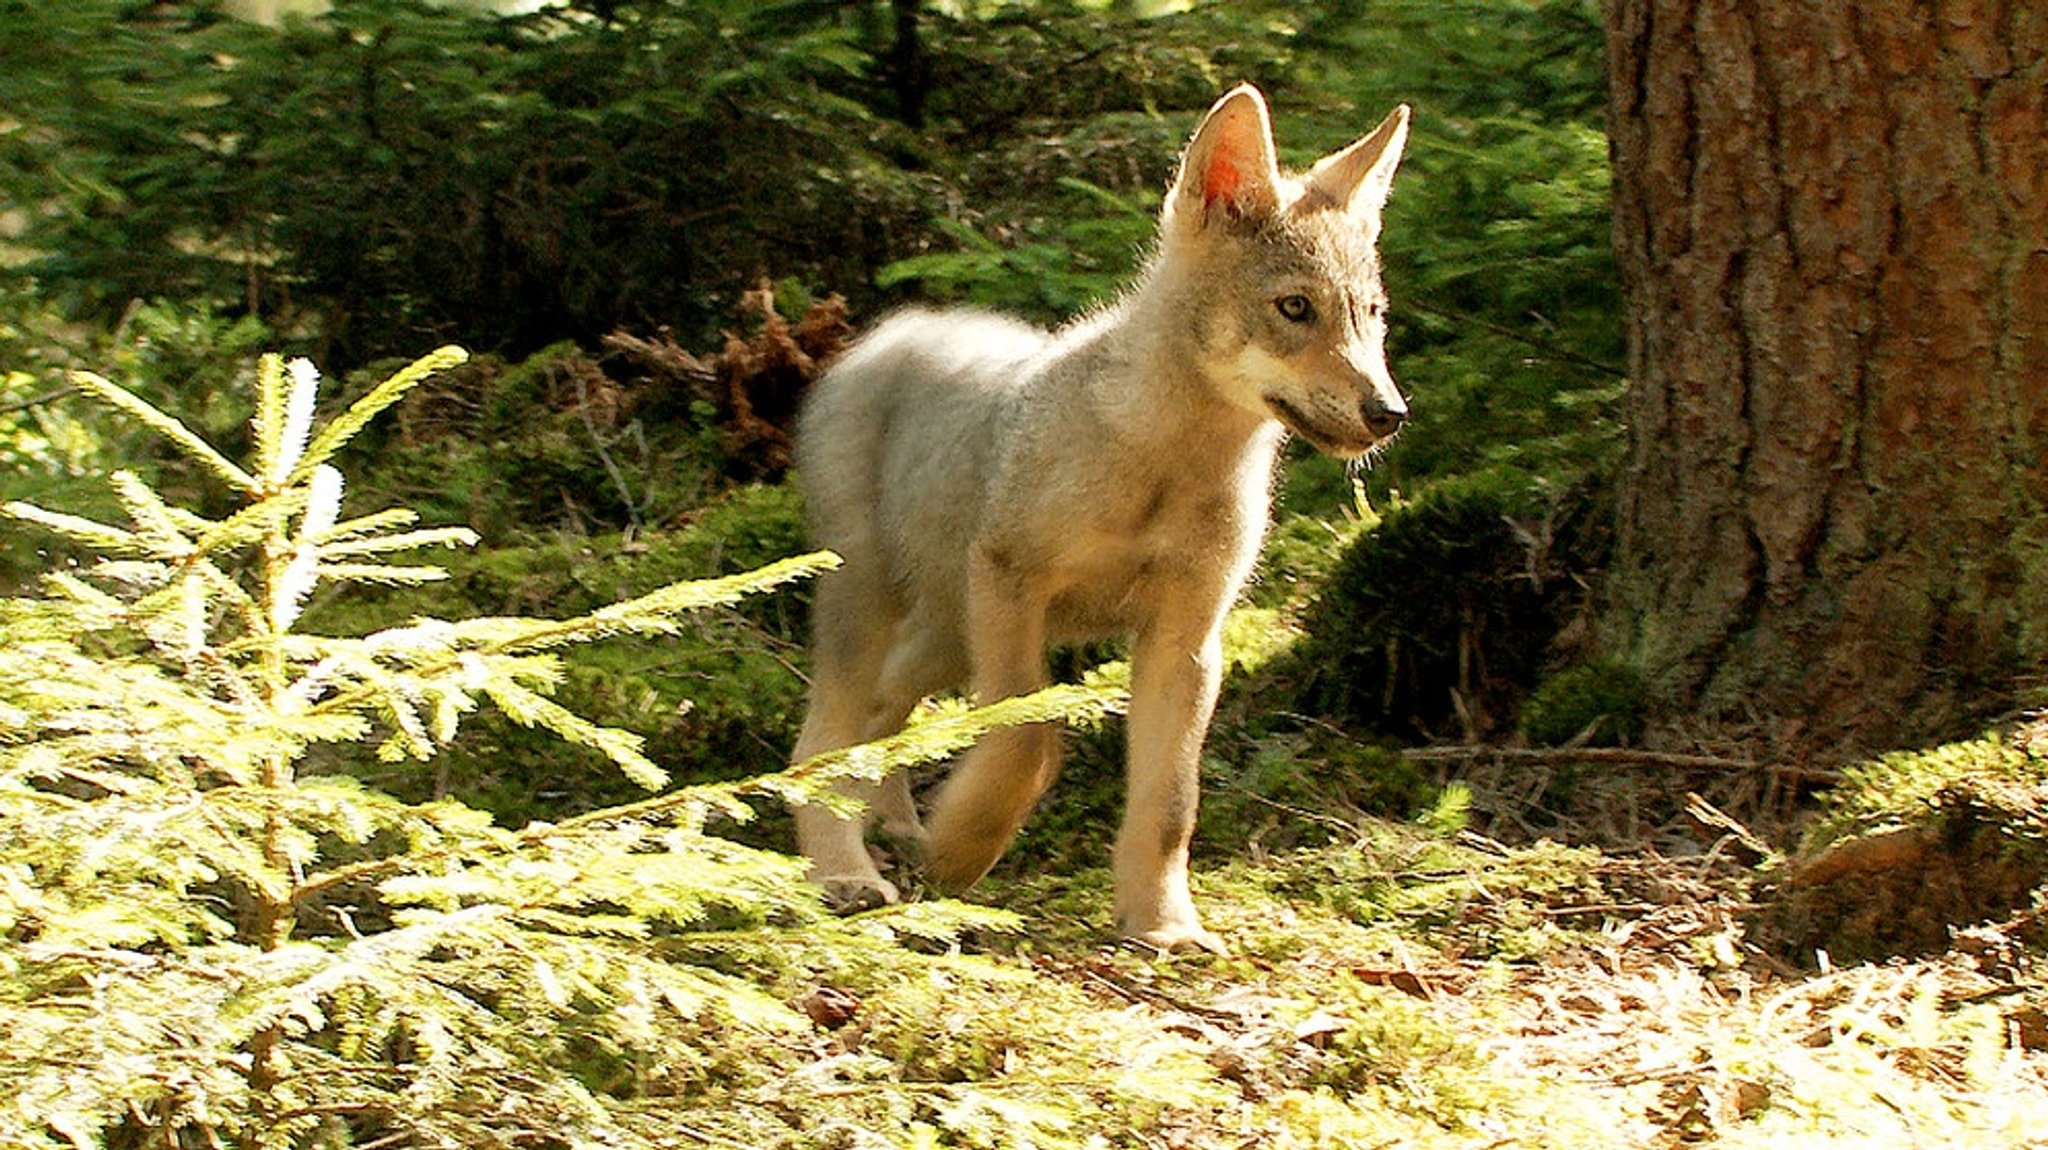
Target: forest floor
1646,986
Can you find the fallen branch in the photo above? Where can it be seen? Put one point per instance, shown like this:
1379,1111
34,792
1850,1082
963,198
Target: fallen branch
1612,756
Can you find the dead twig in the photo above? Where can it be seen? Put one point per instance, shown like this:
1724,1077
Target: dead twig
36,400
1613,756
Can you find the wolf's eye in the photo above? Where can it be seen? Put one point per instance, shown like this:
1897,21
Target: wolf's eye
1296,309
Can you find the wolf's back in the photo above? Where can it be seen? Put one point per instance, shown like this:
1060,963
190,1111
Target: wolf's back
896,442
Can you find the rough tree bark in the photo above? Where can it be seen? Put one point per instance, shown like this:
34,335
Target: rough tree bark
1832,226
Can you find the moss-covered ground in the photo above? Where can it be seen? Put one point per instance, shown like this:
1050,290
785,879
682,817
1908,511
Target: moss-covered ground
1527,949
1402,987
1577,934
1507,946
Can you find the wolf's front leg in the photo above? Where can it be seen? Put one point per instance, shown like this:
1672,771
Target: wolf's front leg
999,779
1176,670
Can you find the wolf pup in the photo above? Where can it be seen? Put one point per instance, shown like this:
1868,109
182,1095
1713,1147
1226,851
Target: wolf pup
994,489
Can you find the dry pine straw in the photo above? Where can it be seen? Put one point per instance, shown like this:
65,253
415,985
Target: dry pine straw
1682,1031
1667,1029
1917,1050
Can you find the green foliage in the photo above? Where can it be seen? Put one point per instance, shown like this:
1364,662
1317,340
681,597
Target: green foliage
1497,242
1052,270
1304,788
1416,878
720,699
187,360
392,167
207,938
543,445
1907,786
225,920
397,167
1437,620
1597,704
1380,1042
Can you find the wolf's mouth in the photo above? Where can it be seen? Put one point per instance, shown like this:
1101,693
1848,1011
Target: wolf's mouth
1343,446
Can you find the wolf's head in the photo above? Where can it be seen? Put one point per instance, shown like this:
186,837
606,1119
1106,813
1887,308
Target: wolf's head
1284,274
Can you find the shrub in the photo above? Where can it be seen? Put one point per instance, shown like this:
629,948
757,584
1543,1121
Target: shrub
1436,622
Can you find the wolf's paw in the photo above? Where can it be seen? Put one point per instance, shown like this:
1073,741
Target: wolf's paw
856,893
1175,937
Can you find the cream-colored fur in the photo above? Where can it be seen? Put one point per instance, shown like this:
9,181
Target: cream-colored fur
995,489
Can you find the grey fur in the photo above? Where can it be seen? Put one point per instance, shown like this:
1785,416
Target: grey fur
995,489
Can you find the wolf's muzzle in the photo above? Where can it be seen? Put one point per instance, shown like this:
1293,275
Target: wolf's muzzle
1383,419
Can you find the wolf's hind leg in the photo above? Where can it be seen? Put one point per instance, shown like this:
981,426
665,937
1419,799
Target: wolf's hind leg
895,811
987,798
836,843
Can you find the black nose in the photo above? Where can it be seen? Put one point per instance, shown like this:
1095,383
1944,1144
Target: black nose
1383,419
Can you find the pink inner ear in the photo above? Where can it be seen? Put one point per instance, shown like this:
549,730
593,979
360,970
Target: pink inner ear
1221,181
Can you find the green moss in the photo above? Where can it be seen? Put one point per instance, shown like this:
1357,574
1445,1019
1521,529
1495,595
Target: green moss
1604,701
1912,847
1911,787
1382,1044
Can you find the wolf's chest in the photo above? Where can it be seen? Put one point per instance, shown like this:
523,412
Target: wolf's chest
1120,563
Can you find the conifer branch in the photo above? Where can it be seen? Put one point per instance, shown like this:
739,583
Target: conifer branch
78,529
250,524
923,741
351,422
268,422
167,426
347,539
376,521
211,943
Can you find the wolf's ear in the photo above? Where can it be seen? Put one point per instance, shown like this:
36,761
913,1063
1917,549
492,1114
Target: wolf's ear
1229,171
1358,178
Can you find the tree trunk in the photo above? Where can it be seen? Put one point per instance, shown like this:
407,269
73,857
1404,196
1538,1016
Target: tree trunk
1831,222
909,70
